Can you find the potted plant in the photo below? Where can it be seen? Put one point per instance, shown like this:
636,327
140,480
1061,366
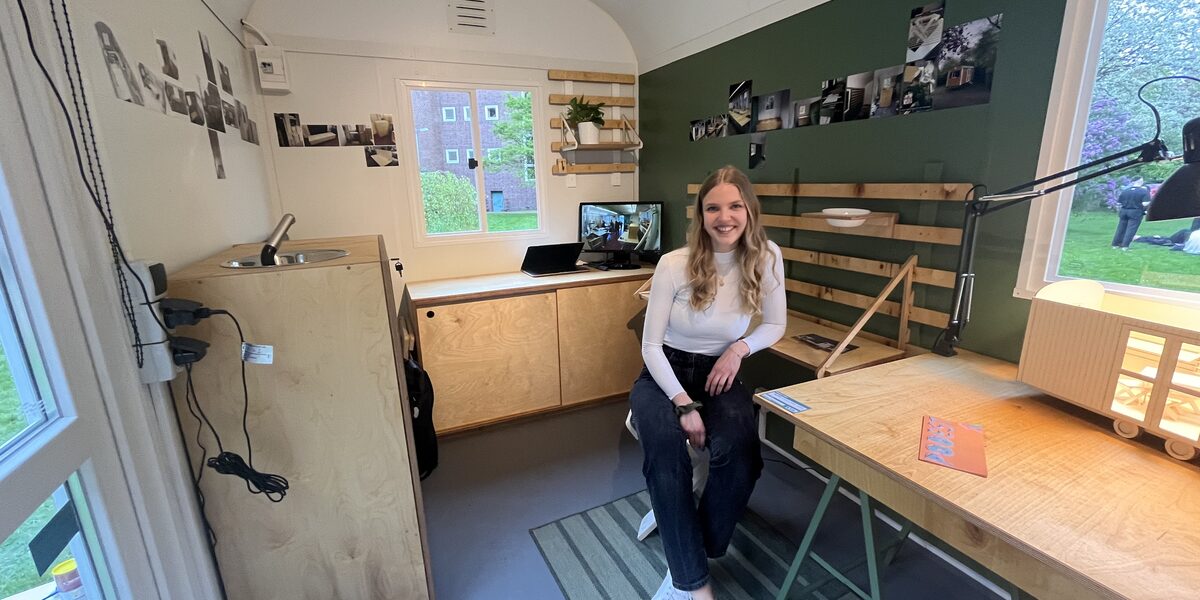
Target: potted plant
586,118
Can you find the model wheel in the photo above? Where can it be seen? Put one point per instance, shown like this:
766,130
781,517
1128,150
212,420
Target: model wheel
1126,429
1180,450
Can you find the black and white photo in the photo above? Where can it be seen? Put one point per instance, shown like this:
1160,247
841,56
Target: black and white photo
321,135
288,129
925,27
125,83
758,149
153,87
357,135
382,130
770,111
170,68
212,108
886,100
230,113
208,59
381,156
175,98
218,161
195,109
805,111
226,82
833,101
740,108
860,89
698,130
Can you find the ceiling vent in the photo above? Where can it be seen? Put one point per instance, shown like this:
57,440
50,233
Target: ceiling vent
471,16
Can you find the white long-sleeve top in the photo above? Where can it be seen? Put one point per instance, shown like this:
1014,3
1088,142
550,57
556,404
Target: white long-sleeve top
671,320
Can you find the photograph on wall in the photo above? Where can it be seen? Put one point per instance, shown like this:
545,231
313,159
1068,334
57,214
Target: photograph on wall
170,68
739,108
230,113
243,120
966,62
218,162
226,81
717,126
253,133
382,130
804,111
925,31
382,156
125,84
195,110
698,130
212,108
916,87
886,101
321,135
860,89
758,149
358,135
208,60
175,98
288,130
152,87
770,109
833,101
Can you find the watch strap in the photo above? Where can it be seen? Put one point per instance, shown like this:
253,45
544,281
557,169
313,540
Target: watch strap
687,408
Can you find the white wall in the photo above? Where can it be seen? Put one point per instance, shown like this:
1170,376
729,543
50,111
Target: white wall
168,203
333,193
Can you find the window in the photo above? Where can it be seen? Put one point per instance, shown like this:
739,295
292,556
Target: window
1071,234
499,195
448,114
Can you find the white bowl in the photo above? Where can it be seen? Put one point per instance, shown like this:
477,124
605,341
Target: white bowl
846,212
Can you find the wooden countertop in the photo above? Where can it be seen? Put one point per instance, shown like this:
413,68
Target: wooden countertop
1099,515
362,248
482,287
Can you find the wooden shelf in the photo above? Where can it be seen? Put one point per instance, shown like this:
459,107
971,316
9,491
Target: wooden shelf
590,76
565,99
868,353
949,192
558,146
557,123
594,168
949,236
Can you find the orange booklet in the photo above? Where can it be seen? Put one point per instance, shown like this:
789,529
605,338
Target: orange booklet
955,445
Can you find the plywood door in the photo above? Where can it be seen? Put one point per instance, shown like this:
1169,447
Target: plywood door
328,416
600,330
491,359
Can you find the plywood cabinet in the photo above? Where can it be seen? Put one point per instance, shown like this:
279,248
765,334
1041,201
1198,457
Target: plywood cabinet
600,330
490,359
329,414
501,346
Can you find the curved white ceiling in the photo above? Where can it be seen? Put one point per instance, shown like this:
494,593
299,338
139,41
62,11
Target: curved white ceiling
660,31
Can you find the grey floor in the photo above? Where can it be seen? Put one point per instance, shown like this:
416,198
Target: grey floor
491,487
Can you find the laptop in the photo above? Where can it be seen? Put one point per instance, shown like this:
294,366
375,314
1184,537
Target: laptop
552,259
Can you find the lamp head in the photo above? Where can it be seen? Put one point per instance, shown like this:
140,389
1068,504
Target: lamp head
1179,196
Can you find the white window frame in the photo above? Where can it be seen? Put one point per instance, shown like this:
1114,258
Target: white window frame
451,116
530,168
1062,144
467,113
470,153
492,153
411,161
449,160
491,112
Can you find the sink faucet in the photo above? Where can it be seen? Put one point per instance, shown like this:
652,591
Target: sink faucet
271,246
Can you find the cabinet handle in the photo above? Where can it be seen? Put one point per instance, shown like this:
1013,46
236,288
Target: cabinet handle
429,314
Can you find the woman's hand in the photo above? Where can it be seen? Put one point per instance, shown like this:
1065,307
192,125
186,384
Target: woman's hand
693,426
720,379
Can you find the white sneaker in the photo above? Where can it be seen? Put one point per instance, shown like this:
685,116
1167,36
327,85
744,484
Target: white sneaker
667,591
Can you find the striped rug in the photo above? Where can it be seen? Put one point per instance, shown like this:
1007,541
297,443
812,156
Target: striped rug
595,555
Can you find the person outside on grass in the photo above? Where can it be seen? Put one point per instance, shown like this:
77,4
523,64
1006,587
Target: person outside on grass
1131,207
701,301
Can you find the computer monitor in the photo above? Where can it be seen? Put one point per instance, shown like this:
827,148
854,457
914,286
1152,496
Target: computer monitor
619,228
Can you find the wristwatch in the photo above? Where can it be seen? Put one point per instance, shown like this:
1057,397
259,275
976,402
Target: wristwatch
687,408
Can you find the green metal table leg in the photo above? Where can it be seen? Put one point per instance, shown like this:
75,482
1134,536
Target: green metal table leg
809,534
890,554
868,522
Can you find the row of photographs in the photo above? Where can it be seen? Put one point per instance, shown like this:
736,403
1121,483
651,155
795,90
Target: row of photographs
293,133
955,72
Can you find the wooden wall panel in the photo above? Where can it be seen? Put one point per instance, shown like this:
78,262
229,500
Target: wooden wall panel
600,330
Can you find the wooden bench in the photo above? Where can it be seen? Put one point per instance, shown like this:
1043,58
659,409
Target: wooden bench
872,349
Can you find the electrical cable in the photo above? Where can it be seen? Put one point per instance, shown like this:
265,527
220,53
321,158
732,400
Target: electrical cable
1157,117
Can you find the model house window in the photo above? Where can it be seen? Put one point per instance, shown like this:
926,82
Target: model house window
1083,232
498,195
448,114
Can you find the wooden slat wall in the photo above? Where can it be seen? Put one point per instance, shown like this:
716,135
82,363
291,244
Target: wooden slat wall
564,99
950,192
869,266
557,123
591,76
824,292
948,236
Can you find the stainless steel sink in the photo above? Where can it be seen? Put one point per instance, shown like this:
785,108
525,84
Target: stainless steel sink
287,257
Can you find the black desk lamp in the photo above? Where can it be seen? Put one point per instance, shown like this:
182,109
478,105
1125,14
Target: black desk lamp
1177,198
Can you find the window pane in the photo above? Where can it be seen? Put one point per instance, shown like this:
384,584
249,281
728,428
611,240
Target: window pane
448,190
23,406
70,570
1143,39
1182,414
1131,397
1142,353
509,173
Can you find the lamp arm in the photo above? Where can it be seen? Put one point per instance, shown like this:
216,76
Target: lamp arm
964,282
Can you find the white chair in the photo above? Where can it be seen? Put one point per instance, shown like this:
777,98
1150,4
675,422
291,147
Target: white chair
699,478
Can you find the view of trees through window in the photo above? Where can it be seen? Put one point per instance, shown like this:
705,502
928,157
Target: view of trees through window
1143,40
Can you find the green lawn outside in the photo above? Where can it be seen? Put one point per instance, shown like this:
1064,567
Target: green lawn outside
1088,254
512,221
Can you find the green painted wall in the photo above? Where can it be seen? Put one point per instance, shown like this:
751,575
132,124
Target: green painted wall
995,144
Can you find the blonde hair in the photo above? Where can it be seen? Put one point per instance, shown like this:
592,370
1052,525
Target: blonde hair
751,251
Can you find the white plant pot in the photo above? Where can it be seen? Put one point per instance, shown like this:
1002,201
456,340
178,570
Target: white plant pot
588,133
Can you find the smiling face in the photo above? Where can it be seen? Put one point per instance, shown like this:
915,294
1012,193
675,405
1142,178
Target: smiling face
725,216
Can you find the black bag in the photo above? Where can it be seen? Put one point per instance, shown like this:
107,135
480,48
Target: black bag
420,400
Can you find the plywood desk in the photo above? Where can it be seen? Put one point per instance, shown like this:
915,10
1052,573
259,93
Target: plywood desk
1068,510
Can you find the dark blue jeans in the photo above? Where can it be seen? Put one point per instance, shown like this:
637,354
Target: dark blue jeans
1127,225
690,534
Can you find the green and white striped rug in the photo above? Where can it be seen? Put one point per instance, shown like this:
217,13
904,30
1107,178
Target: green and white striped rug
595,555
